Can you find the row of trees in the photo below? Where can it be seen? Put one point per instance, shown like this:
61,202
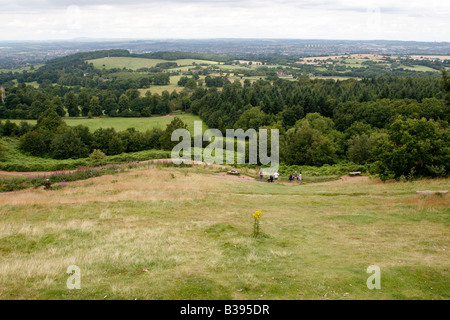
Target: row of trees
51,137
29,103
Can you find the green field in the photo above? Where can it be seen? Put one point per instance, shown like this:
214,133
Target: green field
170,87
185,233
120,124
419,68
137,63
13,159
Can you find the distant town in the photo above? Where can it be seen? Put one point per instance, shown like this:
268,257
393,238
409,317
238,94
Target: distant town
16,54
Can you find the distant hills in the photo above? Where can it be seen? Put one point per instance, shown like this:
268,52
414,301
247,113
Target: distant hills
18,53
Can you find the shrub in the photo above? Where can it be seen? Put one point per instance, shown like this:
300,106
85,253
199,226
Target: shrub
414,148
97,155
68,145
33,142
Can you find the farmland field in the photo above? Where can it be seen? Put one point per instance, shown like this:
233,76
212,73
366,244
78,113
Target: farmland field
349,58
185,233
169,87
136,63
419,68
357,60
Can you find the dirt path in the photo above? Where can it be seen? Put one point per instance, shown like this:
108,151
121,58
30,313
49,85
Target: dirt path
222,175
344,178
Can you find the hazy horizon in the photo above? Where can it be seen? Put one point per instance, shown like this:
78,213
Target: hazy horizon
204,39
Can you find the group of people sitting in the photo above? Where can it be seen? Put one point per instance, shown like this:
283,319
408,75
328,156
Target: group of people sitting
296,176
274,177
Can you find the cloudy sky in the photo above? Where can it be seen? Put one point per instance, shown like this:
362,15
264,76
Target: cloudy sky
416,20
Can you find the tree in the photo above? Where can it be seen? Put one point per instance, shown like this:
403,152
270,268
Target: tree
161,79
37,108
165,139
145,83
102,137
191,84
253,118
83,101
151,139
95,108
416,147
84,134
70,102
132,140
307,146
124,103
358,128
291,114
360,149
115,146
132,94
68,145
9,128
33,143
432,108
316,121
110,106
59,106
445,85
50,121
183,80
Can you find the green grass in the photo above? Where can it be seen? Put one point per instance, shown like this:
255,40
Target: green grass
183,233
120,124
190,62
34,84
137,63
170,87
124,62
15,160
419,68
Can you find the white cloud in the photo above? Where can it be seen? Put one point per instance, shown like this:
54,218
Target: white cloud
322,19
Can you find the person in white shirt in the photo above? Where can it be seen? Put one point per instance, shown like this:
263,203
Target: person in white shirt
275,175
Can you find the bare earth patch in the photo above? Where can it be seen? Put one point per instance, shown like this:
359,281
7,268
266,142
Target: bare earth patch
233,177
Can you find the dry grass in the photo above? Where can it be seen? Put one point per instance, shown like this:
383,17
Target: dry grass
149,185
182,233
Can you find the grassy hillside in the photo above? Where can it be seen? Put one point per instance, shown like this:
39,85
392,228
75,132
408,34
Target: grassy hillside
137,63
185,233
13,159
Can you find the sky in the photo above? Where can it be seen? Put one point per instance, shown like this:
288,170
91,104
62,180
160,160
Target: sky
415,20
